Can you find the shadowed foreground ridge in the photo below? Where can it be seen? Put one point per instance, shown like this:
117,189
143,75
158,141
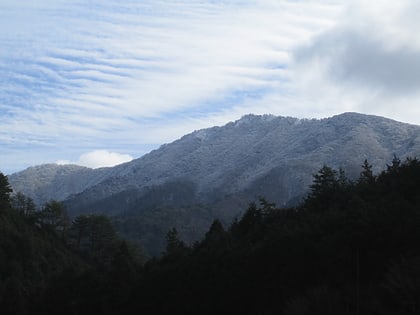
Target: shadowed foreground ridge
350,248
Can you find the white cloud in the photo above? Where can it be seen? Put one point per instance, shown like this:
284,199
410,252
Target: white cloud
103,158
355,58
127,75
368,62
99,158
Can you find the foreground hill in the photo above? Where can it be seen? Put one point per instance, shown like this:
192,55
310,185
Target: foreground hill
350,248
215,172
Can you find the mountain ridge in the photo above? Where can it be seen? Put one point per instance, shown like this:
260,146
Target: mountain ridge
215,172
234,155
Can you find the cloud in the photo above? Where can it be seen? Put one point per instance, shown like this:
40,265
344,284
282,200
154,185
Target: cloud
368,62
105,71
99,158
358,59
129,75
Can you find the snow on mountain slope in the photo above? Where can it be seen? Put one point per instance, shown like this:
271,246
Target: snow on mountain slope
255,155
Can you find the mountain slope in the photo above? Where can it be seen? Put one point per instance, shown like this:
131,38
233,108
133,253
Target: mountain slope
51,181
252,152
217,171
260,155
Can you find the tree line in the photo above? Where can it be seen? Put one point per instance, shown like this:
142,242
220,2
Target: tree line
351,247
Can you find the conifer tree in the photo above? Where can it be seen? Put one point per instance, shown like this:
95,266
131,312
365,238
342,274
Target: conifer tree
324,181
395,164
23,204
215,234
173,243
366,175
5,191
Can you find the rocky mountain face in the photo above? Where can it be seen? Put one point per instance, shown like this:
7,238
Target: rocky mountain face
223,168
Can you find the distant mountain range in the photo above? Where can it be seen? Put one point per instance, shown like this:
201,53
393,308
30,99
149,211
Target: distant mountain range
224,168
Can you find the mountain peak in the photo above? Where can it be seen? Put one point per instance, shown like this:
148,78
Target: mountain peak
253,118
222,169
235,157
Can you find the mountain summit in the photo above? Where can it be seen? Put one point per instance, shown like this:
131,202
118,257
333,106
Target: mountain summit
226,167
255,155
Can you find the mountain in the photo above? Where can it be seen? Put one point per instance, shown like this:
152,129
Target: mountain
51,181
217,171
258,155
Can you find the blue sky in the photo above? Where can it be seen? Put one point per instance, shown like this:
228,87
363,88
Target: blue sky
101,82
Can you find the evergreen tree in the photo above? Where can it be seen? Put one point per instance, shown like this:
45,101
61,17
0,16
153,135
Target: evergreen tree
55,215
96,238
366,176
395,164
173,243
325,181
342,179
5,191
251,220
326,184
215,235
23,204
79,229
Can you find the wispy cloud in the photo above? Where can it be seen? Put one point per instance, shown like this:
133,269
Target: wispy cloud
126,76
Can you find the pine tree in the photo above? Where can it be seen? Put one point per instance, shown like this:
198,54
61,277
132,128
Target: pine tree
5,191
215,234
325,181
23,204
366,176
173,243
395,164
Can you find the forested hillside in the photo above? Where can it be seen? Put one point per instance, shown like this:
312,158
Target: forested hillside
41,246
215,172
350,248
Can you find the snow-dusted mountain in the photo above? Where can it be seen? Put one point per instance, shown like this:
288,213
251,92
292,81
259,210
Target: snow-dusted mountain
51,181
253,156
215,172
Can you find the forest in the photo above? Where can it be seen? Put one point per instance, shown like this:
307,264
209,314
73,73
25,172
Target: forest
351,247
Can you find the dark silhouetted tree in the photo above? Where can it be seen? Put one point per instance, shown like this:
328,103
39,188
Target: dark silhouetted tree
395,164
79,229
173,243
55,215
366,175
5,191
23,204
216,235
325,181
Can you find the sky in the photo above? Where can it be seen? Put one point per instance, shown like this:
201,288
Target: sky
100,82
